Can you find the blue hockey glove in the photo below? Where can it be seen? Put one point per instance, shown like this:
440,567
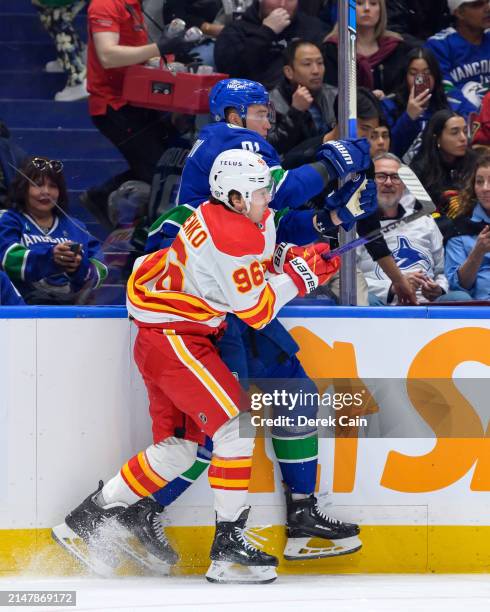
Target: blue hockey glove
341,196
341,157
354,201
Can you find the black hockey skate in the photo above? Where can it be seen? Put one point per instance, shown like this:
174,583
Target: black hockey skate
235,559
86,534
144,539
314,535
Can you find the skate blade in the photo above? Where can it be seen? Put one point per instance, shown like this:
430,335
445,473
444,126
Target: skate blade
133,549
227,572
319,548
83,552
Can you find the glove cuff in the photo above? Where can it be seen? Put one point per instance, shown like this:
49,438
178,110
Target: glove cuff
280,255
302,276
324,221
332,172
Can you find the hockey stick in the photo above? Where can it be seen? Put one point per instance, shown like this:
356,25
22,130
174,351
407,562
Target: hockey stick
415,187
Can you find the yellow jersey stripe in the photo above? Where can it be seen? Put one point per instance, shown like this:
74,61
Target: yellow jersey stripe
231,463
203,375
228,483
267,297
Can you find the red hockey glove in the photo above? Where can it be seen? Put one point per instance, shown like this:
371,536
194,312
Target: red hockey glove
323,268
307,267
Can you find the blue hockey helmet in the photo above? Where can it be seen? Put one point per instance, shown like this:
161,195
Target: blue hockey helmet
236,93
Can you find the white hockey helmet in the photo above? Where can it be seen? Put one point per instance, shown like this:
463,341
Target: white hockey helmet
242,171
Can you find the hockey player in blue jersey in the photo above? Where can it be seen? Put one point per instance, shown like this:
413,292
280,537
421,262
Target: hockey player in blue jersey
50,257
271,352
241,110
463,53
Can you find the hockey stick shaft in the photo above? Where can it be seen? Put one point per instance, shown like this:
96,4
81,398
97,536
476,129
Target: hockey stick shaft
377,233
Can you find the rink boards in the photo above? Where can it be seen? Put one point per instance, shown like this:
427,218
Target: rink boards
73,409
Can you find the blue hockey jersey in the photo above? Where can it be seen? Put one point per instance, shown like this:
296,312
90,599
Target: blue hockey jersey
293,187
26,255
465,68
9,296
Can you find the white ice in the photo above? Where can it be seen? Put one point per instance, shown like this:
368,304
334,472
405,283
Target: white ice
353,593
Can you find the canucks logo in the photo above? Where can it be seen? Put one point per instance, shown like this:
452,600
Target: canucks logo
407,256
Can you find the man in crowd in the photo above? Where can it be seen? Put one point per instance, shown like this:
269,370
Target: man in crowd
417,247
303,102
253,47
380,139
463,53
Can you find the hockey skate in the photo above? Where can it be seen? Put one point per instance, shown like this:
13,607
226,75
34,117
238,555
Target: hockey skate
143,538
86,534
314,535
235,559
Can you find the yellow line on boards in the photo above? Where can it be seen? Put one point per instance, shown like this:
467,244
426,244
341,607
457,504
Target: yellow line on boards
386,549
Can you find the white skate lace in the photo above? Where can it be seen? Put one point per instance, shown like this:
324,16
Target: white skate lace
249,537
158,529
325,516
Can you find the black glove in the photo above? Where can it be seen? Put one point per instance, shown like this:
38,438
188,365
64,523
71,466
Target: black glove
192,60
176,45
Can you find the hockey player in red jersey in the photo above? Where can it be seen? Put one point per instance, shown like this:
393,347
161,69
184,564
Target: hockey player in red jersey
220,262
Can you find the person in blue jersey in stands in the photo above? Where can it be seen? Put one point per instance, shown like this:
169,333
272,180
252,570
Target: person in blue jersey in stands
9,296
49,256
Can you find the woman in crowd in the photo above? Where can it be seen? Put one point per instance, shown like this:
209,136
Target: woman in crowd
468,255
380,52
412,105
444,161
50,257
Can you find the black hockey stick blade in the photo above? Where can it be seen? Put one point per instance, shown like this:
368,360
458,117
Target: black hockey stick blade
415,187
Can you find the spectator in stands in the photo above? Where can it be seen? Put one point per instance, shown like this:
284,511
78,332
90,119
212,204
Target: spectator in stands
380,52
416,20
463,53
480,125
444,160
369,117
371,125
417,247
302,101
9,296
11,157
50,257
57,17
380,139
201,14
468,255
118,39
408,109
253,47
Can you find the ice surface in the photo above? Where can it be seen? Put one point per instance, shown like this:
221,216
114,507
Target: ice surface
301,593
